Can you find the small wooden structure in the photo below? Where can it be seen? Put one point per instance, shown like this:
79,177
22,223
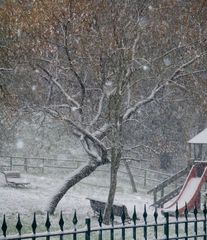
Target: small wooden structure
198,146
14,179
98,206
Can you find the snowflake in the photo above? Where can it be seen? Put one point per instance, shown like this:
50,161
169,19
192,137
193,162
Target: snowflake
145,67
167,61
108,83
150,7
19,144
74,109
34,87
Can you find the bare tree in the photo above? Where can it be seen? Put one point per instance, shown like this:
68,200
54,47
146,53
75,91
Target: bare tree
98,64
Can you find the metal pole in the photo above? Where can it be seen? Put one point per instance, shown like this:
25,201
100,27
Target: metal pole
25,165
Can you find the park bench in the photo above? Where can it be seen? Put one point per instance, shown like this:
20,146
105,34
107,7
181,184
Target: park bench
14,179
98,206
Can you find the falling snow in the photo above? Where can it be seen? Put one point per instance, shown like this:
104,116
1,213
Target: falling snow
73,109
167,61
19,144
108,83
34,87
145,67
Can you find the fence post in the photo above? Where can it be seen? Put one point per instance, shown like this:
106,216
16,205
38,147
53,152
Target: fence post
195,223
186,221
134,219
11,164
166,226
155,226
162,192
162,195
75,221
176,223
155,195
43,165
88,229
204,221
145,222
145,178
25,165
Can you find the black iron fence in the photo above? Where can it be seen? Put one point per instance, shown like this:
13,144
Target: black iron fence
189,226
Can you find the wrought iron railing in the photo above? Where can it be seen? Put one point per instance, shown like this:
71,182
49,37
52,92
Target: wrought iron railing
188,226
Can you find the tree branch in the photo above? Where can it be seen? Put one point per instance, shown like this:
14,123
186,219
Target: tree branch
99,110
85,132
178,70
81,83
139,104
67,96
6,69
91,153
158,87
102,130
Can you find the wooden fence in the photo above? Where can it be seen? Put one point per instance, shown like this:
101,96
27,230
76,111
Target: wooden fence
145,177
41,163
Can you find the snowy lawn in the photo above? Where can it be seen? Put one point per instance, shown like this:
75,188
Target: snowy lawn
35,197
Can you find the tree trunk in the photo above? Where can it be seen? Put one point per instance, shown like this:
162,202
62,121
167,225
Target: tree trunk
134,189
79,174
111,195
115,161
116,149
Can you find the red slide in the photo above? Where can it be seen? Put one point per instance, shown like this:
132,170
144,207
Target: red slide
190,192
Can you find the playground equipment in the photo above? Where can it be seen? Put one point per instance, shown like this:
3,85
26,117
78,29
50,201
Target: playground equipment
190,192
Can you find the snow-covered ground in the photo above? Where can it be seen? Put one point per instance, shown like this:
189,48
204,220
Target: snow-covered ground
35,198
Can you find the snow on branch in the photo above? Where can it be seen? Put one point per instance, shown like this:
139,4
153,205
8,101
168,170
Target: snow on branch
178,70
102,130
60,106
190,73
68,97
72,68
130,111
168,52
99,110
5,69
90,152
85,132
134,47
140,146
139,104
